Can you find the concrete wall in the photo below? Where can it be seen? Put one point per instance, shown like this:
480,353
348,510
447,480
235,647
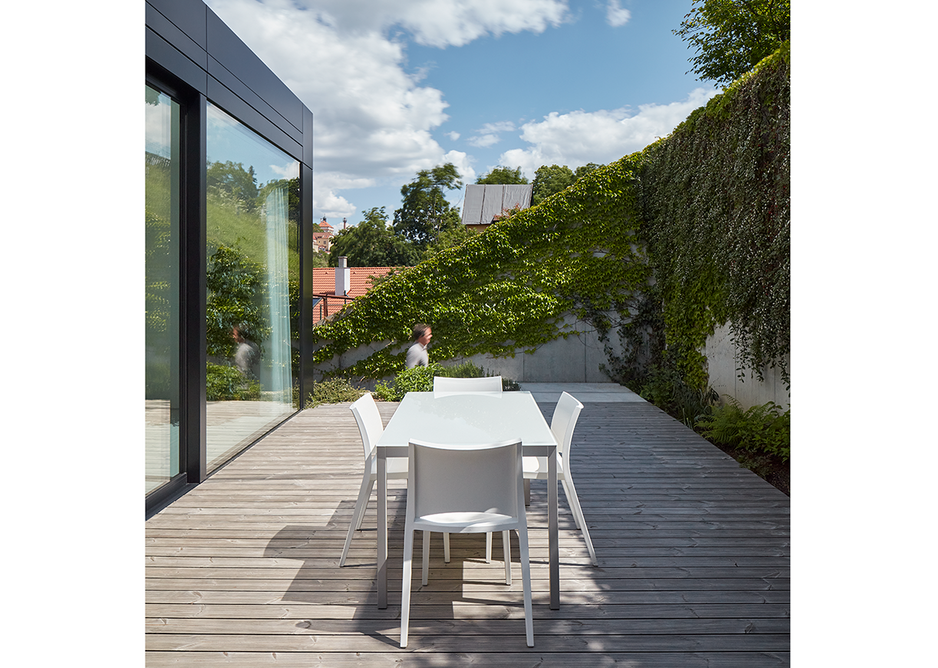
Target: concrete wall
748,391
575,359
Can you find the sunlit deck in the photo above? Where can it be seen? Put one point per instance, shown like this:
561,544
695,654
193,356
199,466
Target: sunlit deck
694,559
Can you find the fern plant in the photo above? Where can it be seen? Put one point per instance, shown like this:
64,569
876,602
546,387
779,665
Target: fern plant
764,428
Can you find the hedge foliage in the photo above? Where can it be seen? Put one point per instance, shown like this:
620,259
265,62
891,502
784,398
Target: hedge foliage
689,233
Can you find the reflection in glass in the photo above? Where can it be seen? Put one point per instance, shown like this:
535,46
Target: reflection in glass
162,288
253,269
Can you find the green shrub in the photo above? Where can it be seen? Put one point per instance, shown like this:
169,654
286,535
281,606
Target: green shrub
227,383
764,428
334,391
666,388
420,379
417,379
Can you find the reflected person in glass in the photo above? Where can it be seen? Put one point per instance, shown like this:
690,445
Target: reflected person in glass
247,354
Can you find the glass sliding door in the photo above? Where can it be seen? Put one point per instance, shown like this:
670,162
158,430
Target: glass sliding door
252,210
162,172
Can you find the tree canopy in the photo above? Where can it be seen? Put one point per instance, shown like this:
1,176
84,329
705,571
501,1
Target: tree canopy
731,36
553,179
372,244
503,176
425,213
550,180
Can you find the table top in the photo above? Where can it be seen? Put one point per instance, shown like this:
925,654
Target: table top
467,419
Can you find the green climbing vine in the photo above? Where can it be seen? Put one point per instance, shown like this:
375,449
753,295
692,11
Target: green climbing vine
716,215
658,248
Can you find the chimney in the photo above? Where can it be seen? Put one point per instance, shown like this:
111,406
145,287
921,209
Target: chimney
343,277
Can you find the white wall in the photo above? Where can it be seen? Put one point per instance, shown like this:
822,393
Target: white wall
748,391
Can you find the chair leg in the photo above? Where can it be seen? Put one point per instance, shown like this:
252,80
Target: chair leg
425,565
526,584
358,514
506,551
574,502
405,584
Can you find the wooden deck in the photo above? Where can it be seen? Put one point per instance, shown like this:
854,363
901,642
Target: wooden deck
694,561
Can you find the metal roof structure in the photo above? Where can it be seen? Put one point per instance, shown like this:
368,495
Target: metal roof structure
484,202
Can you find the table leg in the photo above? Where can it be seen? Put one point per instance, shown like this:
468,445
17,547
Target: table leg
553,531
382,471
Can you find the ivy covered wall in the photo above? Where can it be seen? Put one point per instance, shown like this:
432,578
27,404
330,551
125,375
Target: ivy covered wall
657,248
716,214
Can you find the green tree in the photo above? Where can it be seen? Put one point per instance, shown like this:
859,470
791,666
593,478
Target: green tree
731,36
372,244
235,289
425,213
503,175
231,180
448,238
583,170
550,180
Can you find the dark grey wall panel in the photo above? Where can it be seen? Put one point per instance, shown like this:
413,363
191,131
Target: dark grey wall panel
184,36
234,55
184,42
308,133
187,15
172,60
221,74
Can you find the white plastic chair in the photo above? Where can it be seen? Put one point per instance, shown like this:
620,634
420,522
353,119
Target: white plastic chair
562,424
443,386
465,490
371,428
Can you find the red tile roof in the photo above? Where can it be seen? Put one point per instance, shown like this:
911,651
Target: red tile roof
324,286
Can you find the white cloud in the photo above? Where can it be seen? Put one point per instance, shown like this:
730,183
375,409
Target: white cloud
581,137
372,121
615,15
440,23
453,135
488,134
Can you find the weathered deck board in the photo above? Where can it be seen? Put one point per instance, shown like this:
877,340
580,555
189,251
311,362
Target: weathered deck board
694,559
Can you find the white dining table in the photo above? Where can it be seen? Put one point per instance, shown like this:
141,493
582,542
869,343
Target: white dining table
468,419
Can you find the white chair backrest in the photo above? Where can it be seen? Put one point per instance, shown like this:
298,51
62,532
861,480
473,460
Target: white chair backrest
564,420
484,479
443,385
369,422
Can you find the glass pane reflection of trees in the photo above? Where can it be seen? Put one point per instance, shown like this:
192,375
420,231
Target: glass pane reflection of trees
162,287
253,286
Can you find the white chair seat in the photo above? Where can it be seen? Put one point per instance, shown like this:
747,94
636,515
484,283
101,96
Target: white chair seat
467,522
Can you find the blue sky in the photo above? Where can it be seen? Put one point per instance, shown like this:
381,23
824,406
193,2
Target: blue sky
404,85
